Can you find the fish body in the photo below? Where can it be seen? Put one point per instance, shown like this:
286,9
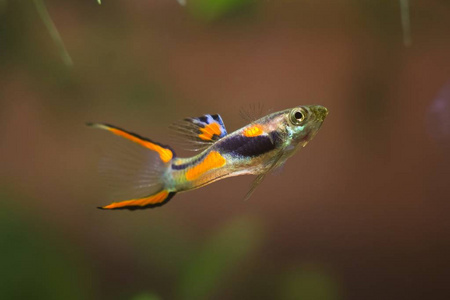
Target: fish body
256,149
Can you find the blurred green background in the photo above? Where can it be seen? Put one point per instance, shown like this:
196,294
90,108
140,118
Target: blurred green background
361,213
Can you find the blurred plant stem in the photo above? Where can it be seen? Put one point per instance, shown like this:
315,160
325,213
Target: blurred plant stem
406,24
44,15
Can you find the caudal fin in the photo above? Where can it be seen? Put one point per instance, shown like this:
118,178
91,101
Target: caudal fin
135,171
152,201
165,153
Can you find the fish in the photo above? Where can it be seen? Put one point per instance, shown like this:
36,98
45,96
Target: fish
156,174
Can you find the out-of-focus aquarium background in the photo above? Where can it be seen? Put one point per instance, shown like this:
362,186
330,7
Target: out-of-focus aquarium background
362,212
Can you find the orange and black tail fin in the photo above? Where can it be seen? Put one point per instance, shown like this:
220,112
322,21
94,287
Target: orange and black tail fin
152,201
135,171
165,153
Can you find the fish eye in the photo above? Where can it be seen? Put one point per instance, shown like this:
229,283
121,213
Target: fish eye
297,116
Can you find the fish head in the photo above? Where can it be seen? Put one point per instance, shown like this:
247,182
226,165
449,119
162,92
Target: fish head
301,124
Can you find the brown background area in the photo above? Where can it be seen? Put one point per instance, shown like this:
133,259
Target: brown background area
365,205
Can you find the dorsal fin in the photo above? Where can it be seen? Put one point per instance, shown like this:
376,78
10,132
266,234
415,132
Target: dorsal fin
252,111
199,133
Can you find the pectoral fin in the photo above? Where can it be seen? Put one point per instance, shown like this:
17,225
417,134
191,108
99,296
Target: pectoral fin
260,177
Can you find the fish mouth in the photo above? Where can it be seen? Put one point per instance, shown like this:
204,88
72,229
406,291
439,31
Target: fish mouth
320,112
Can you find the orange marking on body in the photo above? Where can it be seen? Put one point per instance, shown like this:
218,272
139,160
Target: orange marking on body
209,130
252,131
154,199
211,161
165,154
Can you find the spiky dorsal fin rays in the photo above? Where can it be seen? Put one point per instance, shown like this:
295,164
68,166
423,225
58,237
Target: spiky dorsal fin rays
197,134
251,112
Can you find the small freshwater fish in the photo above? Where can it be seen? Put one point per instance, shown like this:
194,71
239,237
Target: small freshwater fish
157,174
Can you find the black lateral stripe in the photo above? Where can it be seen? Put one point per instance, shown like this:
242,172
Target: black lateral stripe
249,146
171,194
140,137
276,138
184,166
